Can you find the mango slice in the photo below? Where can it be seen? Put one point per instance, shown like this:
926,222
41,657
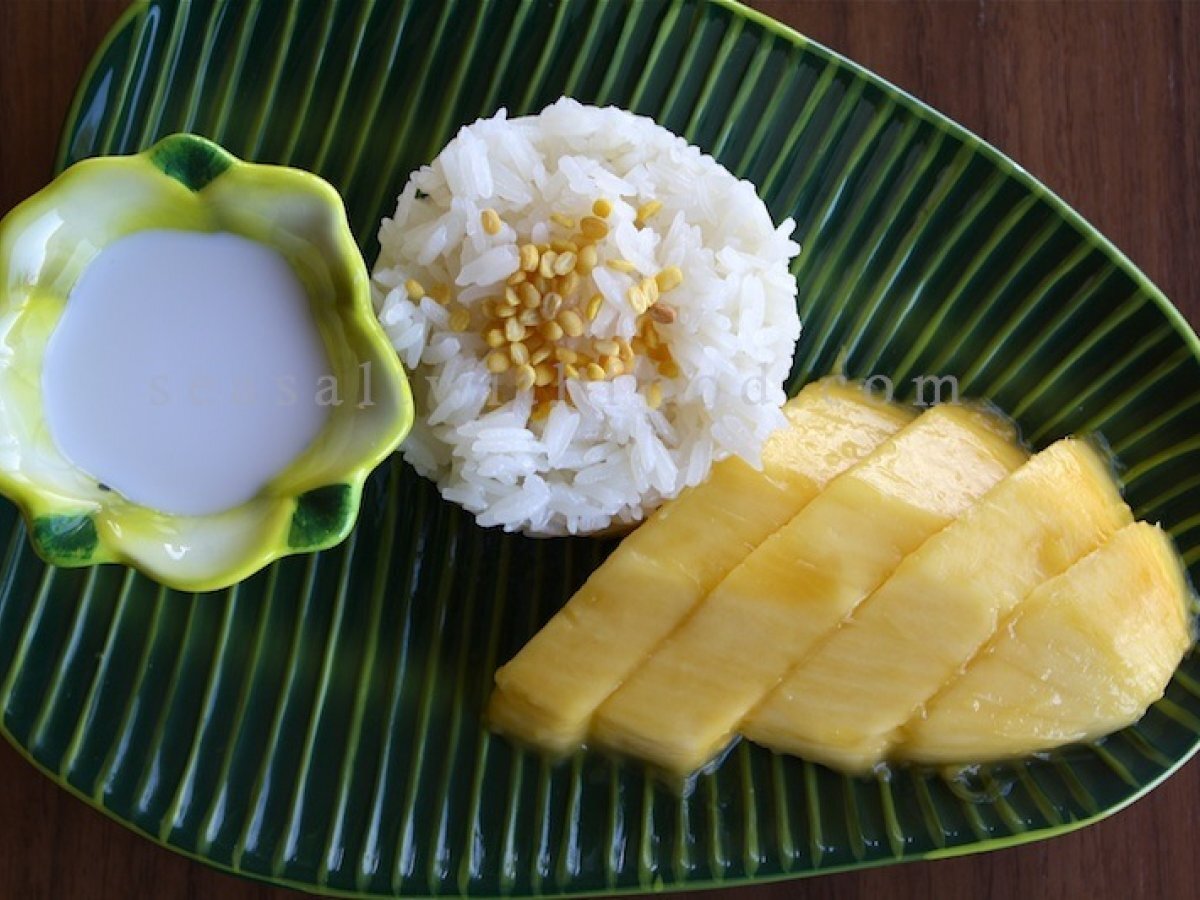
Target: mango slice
1083,655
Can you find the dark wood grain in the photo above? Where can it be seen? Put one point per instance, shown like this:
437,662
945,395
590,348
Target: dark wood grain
1101,100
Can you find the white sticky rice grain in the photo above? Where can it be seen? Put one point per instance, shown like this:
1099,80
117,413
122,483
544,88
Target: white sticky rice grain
603,456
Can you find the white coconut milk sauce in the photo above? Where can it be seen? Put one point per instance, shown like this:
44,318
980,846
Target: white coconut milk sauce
185,371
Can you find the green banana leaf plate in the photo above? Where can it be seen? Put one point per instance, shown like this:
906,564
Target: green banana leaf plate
318,725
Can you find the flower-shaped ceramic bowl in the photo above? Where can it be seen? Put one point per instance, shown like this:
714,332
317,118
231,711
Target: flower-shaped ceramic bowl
188,183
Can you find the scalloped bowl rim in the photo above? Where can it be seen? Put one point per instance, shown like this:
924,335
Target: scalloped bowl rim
271,541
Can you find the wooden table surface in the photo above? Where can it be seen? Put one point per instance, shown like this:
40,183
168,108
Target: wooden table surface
1100,100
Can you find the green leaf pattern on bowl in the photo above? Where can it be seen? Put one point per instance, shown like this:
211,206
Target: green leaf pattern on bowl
320,513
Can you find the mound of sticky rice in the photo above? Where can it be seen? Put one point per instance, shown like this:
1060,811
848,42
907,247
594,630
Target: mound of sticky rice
592,313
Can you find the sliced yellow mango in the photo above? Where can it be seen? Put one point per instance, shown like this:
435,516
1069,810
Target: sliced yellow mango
547,694
683,705
844,704
1083,655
